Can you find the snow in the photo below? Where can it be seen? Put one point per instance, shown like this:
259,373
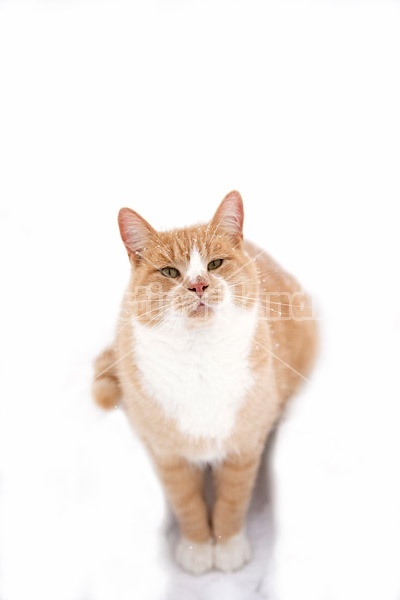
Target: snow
165,107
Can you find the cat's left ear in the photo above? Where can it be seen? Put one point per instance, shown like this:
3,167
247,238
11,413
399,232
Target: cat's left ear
136,232
230,215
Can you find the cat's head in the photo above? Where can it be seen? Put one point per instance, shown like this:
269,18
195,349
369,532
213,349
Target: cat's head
193,273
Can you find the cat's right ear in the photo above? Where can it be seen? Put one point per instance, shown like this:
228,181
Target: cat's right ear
229,216
135,232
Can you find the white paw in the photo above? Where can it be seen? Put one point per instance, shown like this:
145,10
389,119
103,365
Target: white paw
195,557
232,554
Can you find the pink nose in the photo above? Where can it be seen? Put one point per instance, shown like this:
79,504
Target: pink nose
198,287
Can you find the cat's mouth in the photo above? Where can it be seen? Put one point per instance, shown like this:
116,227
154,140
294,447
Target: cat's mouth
201,310
201,306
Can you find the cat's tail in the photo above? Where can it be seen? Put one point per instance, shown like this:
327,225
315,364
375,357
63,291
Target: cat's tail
106,389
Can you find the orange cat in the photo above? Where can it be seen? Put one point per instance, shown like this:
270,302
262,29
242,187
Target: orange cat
213,339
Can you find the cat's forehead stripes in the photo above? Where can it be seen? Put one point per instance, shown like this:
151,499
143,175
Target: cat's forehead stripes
197,265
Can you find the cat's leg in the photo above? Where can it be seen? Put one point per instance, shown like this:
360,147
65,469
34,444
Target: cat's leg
106,387
234,481
183,483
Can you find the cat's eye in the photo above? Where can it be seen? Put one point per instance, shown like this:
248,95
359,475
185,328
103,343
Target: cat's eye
170,272
214,264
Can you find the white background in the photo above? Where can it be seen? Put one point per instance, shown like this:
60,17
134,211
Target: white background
165,106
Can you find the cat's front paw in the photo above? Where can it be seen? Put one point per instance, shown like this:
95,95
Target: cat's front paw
195,557
233,553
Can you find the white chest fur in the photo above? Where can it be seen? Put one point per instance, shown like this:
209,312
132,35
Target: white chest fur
199,376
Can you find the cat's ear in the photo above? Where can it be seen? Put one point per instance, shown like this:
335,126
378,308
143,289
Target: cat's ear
230,215
136,233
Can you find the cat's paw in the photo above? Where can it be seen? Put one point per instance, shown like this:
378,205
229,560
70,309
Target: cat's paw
232,554
195,557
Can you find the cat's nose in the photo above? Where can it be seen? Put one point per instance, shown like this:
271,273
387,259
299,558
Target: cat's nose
198,287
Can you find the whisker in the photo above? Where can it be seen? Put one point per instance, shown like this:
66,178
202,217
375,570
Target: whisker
284,362
152,264
166,249
252,259
242,282
140,255
158,311
267,301
109,367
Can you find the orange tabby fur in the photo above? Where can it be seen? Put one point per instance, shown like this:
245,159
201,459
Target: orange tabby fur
281,355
